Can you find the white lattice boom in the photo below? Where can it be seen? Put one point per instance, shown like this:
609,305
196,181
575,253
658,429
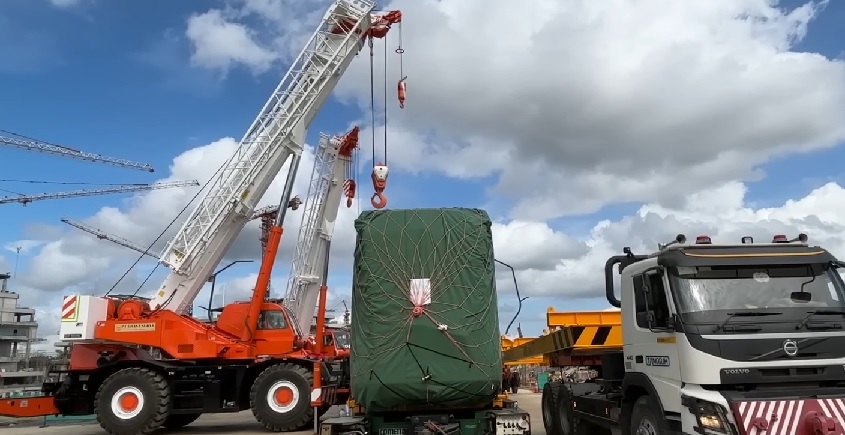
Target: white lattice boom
277,133
320,210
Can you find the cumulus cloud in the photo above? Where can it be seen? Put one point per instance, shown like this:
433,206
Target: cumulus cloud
584,106
721,212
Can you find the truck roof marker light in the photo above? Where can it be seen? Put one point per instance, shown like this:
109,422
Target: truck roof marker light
780,238
703,240
748,240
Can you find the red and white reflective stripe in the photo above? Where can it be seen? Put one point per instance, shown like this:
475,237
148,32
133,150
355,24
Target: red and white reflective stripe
786,417
69,307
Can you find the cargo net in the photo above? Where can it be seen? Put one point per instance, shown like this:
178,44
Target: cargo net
409,285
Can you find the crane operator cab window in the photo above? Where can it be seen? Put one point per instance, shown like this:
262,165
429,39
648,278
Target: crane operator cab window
652,306
274,319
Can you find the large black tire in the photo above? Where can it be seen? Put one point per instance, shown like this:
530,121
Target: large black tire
644,415
280,397
176,421
549,405
132,401
565,419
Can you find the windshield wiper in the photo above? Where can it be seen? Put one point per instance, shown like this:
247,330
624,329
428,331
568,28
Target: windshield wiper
722,325
806,320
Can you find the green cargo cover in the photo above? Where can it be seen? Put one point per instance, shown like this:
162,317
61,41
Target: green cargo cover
425,324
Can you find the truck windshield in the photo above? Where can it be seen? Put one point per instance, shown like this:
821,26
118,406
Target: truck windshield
699,289
341,339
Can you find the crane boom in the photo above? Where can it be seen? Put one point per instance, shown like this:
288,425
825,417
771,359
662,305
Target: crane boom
26,199
100,234
320,208
36,145
277,133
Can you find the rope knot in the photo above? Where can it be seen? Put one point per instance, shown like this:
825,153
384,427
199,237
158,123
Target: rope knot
417,311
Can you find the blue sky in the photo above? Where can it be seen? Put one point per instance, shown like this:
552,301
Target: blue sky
115,78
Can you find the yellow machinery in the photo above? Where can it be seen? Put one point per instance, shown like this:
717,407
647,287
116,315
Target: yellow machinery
572,338
510,343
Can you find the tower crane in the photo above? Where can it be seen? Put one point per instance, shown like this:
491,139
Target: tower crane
26,143
102,235
26,199
331,179
264,213
140,365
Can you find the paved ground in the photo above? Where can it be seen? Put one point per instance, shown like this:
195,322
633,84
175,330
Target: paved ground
244,423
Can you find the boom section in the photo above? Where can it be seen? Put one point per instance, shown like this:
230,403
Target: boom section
277,133
319,216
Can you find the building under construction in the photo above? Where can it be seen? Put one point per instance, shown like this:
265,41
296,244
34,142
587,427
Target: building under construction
18,331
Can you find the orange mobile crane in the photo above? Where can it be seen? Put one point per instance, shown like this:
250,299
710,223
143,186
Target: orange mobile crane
140,364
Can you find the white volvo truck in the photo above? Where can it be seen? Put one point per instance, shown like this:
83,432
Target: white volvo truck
741,339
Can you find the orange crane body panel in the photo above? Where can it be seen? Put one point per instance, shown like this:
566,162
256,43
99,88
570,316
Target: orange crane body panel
185,338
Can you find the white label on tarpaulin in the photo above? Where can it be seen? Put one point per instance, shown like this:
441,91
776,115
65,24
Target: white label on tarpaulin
420,291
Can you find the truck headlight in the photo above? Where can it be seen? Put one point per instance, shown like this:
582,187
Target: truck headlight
710,416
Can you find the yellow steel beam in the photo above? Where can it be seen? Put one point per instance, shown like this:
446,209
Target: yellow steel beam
560,319
576,340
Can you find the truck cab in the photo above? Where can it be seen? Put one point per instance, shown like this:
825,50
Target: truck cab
731,339
336,344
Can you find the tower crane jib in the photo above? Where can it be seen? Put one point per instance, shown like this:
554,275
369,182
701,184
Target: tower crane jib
26,199
36,145
277,133
100,234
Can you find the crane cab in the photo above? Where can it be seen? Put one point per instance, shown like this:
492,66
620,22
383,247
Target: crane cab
275,334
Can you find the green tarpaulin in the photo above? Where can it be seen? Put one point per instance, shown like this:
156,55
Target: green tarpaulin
425,326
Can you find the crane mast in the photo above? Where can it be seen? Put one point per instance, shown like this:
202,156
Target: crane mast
102,235
36,145
277,133
26,199
320,208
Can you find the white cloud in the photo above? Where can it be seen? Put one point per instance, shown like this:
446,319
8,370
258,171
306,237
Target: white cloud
720,212
583,95
219,43
588,103
66,3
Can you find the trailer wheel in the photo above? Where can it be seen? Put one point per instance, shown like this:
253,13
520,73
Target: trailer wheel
549,405
565,419
280,397
132,401
176,421
644,419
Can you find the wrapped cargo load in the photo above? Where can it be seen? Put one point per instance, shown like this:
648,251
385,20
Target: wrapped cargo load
425,324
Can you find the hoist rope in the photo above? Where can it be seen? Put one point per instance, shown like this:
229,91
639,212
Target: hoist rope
385,102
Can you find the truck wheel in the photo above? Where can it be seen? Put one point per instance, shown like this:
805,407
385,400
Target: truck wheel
565,419
549,405
176,421
280,397
644,419
132,401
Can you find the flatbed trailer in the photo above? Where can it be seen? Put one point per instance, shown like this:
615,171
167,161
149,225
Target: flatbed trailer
501,417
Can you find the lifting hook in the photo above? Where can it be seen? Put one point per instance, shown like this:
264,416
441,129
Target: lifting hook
401,92
349,191
379,177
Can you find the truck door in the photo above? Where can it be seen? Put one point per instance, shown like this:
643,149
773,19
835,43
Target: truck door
651,349
274,335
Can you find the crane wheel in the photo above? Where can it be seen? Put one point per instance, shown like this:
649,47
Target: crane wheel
549,406
132,401
176,421
280,397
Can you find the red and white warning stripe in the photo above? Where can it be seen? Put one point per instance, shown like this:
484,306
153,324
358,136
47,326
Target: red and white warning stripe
787,417
69,308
